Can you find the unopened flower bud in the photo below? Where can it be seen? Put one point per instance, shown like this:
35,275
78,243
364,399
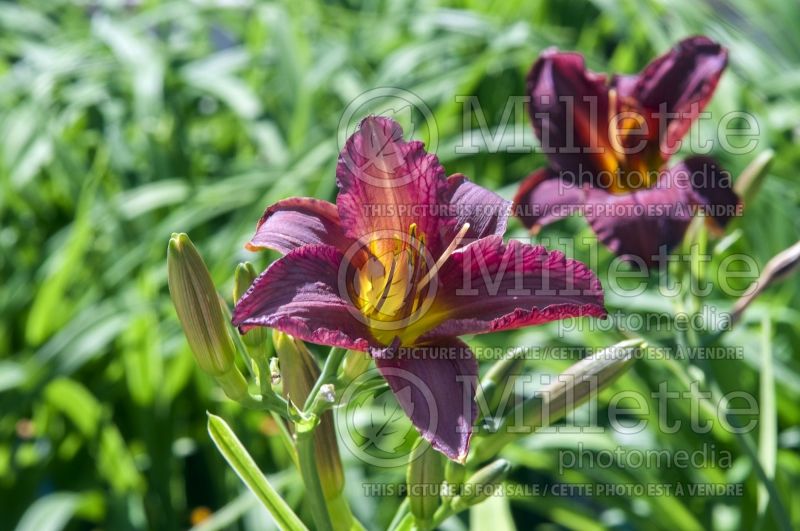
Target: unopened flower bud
243,278
454,473
482,484
500,375
778,268
355,364
424,477
750,180
199,307
234,385
580,382
570,389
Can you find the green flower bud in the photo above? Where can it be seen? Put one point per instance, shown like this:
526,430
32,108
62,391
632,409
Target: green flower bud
424,477
750,180
500,375
234,385
481,484
569,390
243,278
580,382
777,269
454,473
355,364
199,307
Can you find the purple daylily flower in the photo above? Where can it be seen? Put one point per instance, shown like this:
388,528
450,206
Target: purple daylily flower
406,261
608,144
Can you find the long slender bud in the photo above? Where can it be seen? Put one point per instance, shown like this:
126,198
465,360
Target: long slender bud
500,377
778,268
243,278
482,484
751,179
198,307
355,364
424,478
200,312
454,474
579,383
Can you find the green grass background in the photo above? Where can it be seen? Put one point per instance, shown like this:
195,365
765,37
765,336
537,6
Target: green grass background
121,122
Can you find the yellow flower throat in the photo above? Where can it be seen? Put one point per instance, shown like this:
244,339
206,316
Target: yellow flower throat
393,287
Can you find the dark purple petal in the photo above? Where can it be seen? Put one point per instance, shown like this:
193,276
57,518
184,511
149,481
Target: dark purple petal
569,111
299,294
643,226
543,198
681,81
299,221
625,85
713,189
490,286
387,184
485,211
435,385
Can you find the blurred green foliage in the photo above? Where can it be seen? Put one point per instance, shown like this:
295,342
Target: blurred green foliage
122,122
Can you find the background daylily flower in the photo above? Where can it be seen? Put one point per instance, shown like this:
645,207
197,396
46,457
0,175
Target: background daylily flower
406,261
608,143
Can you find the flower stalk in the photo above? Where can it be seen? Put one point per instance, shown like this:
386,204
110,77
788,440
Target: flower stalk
317,449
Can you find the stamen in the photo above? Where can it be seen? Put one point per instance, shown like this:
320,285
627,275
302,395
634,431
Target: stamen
386,287
442,259
613,126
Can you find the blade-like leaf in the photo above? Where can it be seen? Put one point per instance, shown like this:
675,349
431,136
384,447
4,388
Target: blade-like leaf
242,463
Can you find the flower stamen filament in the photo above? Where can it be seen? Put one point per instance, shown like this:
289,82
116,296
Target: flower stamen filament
442,259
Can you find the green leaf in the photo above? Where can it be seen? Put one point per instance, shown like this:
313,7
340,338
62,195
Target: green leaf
494,514
12,374
77,403
50,513
768,430
386,429
242,463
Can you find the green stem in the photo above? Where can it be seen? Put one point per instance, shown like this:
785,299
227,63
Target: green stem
274,404
308,470
286,437
444,512
329,371
402,512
